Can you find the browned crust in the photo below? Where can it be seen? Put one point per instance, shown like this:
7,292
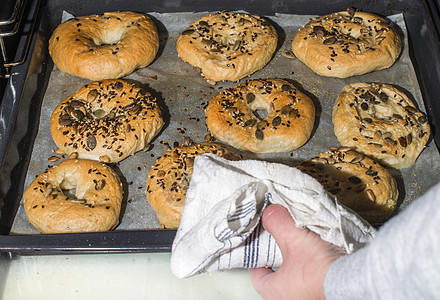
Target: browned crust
169,178
338,45
107,120
105,46
381,122
95,207
228,46
357,181
288,125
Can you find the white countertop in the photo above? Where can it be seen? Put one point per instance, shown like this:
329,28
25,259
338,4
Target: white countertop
114,276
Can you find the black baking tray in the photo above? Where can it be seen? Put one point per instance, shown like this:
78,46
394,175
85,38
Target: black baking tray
21,102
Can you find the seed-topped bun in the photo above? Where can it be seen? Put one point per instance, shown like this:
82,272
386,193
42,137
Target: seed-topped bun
169,178
228,46
288,125
107,120
95,206
381,122
357,181
105,46
347,43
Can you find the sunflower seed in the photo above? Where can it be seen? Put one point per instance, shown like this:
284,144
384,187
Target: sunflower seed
104,158
371,172
286,87
53,158
411,109
73,155
409,138
371,195
356,159
48,191
161,173
60,152
377,135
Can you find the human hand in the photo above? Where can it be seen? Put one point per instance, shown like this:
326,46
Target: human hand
306,260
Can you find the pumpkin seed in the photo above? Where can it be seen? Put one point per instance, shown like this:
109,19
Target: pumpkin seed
128,128
99,113
276,121
377,135
203,24
383,97
119,85
356,159
259,134
368,120
250,123
354,179
250,97
286,87
330,41
285,110
391,141
91,141
364,106
334,191
351,11
104,158
411,109
135,109
262,124
403,142
422,119
161,173
48,191
65,120
76,103
188,31
91,96
111,115
409,138
77,114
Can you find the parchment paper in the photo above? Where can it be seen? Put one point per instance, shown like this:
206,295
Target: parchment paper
183,95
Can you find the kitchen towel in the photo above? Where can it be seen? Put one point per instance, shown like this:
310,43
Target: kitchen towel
220,224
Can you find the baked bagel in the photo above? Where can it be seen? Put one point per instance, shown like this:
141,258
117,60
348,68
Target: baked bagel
357,181
105,46
348,43
169,179
107,120
231,118
228,46
94,207
381,122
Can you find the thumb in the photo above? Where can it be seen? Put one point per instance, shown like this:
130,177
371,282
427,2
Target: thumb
279,223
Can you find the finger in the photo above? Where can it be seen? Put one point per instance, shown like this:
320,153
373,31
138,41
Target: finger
260,278
279,223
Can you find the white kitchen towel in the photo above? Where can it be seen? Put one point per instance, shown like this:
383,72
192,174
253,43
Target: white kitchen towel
220,224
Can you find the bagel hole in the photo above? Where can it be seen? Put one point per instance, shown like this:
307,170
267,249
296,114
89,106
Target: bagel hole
260,113
71,193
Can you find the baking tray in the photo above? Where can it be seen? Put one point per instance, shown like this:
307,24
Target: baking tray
21,104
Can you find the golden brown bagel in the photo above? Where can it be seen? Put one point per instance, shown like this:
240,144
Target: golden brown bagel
348,43
357,181
228,46
105,46
288,125
381,122
95,206
169,178
107,120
